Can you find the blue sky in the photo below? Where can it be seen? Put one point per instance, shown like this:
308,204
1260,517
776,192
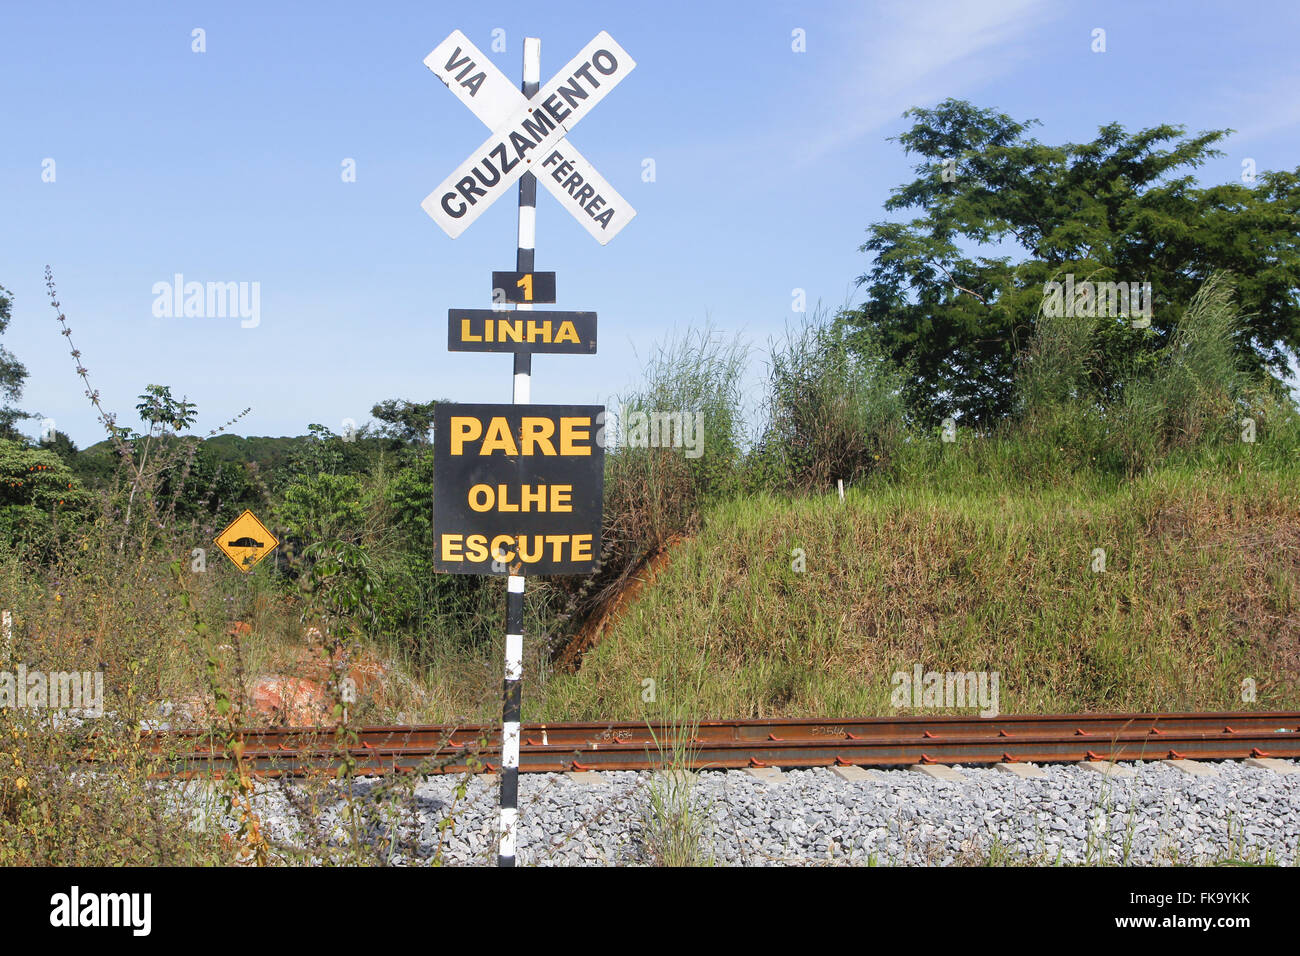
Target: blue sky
770,164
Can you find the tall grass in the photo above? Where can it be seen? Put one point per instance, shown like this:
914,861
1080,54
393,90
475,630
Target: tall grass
835,411
1189,396
654,493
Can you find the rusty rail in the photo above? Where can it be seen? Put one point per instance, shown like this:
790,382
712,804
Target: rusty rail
872,741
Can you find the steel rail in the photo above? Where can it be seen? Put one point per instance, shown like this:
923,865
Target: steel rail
716,731
876,741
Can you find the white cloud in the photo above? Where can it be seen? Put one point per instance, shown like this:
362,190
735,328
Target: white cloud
912,53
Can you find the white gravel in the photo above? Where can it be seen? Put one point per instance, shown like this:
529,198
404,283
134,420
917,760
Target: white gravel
812,817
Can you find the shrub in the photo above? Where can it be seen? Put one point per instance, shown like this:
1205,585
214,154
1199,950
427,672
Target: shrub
835,410
653,493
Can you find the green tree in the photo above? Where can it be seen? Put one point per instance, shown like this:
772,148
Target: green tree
319,452
160,411
410,502
954,294
212,487
323,507
63,446
407,422
164,415
36,489
12,375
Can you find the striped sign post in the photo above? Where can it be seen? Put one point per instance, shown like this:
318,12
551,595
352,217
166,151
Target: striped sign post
548,477
512,692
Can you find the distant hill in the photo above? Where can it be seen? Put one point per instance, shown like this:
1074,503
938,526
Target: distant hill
268,453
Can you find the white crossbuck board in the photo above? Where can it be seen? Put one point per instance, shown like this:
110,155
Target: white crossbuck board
529,135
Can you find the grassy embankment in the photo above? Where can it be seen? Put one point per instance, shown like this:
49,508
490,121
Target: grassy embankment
971,569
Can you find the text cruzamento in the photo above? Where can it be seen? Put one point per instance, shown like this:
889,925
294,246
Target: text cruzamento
531,141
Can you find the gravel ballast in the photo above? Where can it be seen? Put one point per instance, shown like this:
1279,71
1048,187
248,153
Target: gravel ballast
1070,815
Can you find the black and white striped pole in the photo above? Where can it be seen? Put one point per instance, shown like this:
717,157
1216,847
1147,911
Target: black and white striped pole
511,695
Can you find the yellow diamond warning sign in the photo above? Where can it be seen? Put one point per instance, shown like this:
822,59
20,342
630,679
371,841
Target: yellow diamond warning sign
246,541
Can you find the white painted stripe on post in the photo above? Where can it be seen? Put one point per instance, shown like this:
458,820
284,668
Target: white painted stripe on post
532,59
515,584
509,816
527,227
510,744
522,389
514,656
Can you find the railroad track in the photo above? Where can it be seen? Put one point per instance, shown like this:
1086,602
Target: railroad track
867,742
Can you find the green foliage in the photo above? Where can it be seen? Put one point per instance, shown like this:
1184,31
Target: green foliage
344,579
270,455
410,499
319,453
217,487
323,507
652,493
1193,392
1119,208
160,410
834,411
38,492
408,423
12,375
63,446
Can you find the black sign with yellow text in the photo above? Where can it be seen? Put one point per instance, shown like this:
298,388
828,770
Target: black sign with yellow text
523,288
518,489
491,330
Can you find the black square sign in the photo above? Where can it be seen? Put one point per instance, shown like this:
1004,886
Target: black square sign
518,489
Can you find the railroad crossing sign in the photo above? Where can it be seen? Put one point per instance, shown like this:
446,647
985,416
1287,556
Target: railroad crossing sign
246,541
529,135
519,488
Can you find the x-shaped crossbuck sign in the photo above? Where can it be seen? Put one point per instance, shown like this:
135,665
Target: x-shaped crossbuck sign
529,136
